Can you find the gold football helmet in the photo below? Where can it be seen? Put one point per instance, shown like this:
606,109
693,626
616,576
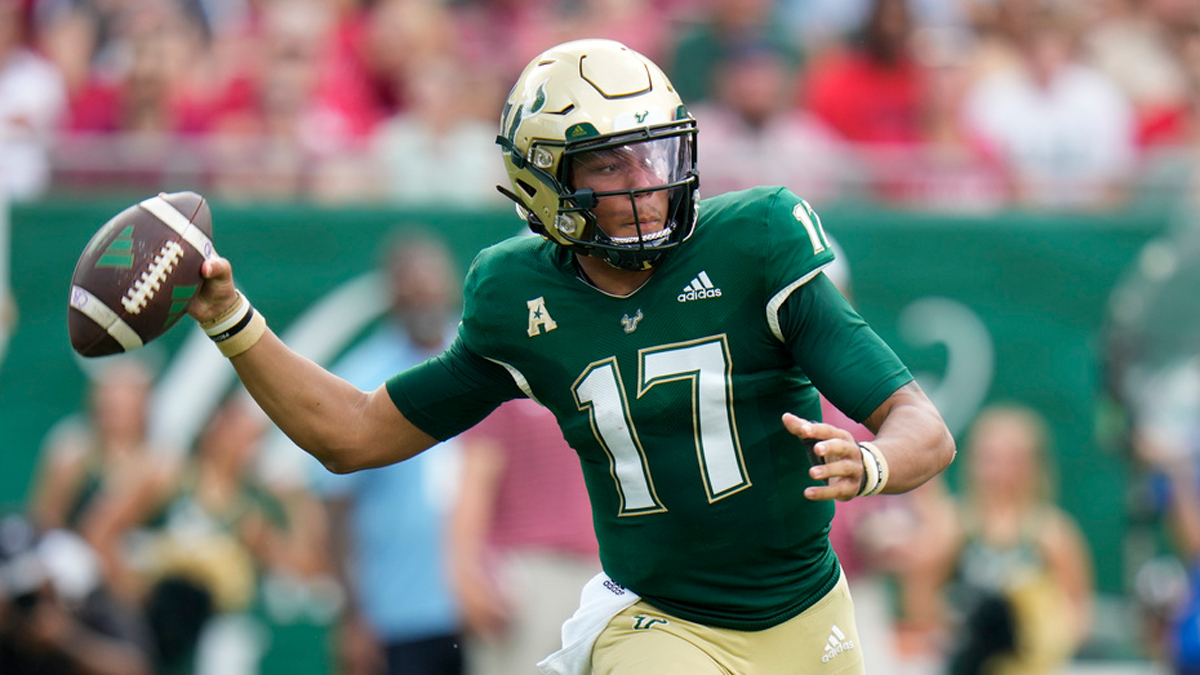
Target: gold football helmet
590,96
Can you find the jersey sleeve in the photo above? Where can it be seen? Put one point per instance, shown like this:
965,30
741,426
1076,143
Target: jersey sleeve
843,356
451,392
796,248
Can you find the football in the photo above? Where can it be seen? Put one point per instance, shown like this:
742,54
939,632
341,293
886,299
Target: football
137,275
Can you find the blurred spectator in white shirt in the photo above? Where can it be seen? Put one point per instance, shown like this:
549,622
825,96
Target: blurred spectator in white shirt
1065,130
32,100
440,148
1139,45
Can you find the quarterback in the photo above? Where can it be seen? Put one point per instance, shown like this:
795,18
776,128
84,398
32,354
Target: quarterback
681,344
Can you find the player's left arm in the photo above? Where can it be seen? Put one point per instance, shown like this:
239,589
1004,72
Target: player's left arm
859,372
850,364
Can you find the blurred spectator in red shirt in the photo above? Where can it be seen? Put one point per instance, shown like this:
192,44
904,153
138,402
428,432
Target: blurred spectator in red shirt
502,35
288,114
149,95
642,25
83,37
872,91
384,42
949,168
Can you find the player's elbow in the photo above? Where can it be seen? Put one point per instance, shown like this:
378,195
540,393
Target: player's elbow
339,465
357,451
345,459
945,450
343,455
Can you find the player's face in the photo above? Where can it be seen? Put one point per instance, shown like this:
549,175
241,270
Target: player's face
637,167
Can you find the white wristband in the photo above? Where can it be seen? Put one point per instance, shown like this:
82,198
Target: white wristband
237,328
228,319
875,470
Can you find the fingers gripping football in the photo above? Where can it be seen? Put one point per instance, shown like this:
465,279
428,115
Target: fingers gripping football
841,469
217,293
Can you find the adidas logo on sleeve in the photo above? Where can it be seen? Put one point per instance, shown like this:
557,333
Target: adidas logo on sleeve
701,287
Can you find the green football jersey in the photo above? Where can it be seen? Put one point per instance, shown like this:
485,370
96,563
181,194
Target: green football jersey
672,398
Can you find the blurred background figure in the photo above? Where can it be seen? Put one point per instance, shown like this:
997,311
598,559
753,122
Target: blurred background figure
218,539
754,136
1066,130
500,36
1150,49
521,540
822,25
645,26
389,41
713,29
33,99
98,472
872,93
1166,440
1014,570
440,148
388,524
950,168
1176,642
150,98
56,614
1141,45
289,114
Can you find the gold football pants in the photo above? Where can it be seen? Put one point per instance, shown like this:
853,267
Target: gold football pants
642,640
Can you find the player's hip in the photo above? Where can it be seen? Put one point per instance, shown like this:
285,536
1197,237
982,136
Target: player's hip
821,640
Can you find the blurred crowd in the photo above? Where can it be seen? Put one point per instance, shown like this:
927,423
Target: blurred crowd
944,104
134,556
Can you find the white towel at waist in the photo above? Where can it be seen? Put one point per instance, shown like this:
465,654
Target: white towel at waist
601,600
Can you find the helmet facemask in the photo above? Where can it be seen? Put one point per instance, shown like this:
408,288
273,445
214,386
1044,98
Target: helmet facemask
651,172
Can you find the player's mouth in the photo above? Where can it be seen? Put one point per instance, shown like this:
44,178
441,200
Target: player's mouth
645,237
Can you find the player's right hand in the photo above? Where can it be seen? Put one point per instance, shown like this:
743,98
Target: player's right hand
217,293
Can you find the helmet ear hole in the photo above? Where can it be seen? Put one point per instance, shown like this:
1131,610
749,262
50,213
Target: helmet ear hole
525,187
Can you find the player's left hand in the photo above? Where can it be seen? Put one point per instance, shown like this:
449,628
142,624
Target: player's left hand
842,470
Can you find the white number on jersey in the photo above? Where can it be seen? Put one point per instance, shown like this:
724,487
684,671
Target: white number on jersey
703,367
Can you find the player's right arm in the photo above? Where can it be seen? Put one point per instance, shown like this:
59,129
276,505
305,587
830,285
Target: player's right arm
343,427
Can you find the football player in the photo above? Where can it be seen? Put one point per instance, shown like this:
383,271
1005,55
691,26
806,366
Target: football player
681,345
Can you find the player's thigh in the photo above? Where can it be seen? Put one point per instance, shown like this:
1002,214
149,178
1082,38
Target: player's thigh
822,640
628,646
